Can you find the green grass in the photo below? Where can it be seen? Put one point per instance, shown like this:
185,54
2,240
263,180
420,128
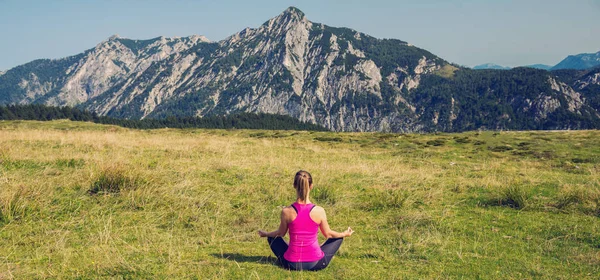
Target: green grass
81,200
447,71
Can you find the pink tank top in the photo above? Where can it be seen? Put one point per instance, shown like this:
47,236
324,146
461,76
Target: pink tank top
304,244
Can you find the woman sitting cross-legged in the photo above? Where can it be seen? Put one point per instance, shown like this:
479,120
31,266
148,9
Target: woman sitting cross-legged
304,219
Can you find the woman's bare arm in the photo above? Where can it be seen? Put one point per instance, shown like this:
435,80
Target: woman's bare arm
326,230
283,227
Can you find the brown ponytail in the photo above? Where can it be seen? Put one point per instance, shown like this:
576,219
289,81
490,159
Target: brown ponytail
302,182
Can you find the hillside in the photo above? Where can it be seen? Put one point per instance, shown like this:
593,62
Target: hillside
338,78
82,200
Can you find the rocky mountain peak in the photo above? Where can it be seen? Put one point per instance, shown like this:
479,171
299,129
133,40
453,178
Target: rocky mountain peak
293,11
199,38
114,37
291,17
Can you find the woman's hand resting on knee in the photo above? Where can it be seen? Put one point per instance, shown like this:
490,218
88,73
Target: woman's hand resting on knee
348,232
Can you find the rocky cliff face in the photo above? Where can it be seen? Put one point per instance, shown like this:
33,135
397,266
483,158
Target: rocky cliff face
112,61
587,81
337,77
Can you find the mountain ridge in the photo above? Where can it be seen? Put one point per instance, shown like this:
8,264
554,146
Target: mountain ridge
579,61
336,77
539,66
491,66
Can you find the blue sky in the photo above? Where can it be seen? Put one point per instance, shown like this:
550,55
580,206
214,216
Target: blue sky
468,32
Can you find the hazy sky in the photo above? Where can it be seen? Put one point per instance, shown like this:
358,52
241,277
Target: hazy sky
509,33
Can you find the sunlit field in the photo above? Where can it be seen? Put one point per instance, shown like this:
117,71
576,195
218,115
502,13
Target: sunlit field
91,201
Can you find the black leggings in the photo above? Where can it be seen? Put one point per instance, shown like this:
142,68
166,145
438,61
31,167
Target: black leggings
279,246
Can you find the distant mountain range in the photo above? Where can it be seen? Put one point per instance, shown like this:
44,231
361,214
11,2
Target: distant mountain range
338,78
539,66
577,62
491,66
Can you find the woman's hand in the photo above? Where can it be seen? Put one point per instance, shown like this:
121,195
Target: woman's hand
348,232
262,233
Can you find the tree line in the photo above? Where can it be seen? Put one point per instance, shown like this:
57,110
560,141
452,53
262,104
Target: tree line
240,121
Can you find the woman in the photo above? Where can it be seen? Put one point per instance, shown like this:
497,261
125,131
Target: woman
303,219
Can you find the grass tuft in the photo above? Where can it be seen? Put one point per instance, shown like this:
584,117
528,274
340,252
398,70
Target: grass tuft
12,207
325,195
113,180
436,142
514,196
500,148
462,140
329,139
581,199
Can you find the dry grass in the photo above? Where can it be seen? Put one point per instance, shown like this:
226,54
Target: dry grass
189,202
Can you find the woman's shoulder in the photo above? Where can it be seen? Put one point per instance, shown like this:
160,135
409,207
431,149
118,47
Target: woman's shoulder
318,209
288,211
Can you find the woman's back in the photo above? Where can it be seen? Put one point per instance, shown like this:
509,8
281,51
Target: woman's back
303,251
304,242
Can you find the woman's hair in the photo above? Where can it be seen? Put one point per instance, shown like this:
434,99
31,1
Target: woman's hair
302,182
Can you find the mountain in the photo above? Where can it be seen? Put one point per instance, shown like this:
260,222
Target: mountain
339,78
491,66
539,66
579,62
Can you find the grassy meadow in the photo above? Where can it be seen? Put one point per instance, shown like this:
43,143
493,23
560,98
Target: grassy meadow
82,200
